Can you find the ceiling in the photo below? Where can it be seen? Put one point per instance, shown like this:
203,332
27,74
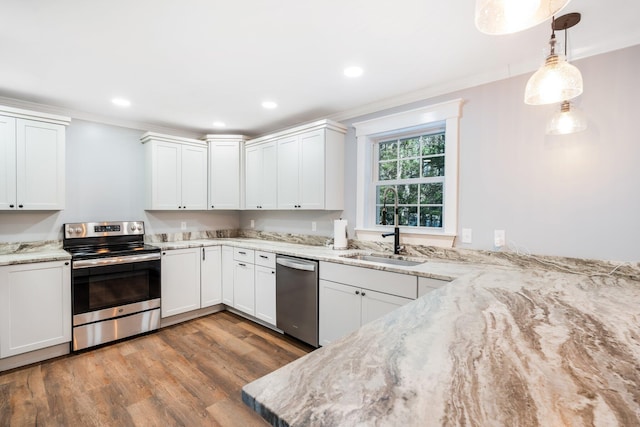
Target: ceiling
185,64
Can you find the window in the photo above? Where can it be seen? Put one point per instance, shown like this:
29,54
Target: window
416,153
413,166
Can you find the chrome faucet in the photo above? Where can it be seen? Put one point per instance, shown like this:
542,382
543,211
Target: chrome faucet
383,220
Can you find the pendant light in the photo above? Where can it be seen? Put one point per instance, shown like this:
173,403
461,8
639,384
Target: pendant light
569,119
510,16
556,80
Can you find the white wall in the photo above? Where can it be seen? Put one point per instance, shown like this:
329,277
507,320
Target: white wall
105,182
573,195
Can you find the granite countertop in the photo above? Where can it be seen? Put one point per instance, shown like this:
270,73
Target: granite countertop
25,253
496,347
441,269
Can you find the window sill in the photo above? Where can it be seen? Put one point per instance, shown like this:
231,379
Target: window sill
411,237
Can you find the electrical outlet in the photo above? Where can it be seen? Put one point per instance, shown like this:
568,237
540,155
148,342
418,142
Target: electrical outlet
253,223
499,238
183,225
466,235
313,226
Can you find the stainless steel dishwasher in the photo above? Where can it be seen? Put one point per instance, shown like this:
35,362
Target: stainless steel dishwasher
297,298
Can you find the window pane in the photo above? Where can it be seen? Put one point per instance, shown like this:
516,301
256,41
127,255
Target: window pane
431,217
389,199
387,171
431,194
409,168
388,150
433,166
408,194
408,215
410,147
389,215
433,144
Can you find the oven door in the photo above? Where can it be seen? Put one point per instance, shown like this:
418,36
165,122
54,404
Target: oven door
110,287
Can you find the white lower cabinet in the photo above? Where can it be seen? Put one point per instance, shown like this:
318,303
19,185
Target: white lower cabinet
191,279
228,267
180,281
339,311
244,287
265,281
210,276
35,306
353,296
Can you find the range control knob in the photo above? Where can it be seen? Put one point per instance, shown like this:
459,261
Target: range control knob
132,227
78,230
139,227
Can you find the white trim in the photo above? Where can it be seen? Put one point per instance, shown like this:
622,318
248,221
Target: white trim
317,125
34,115
369,130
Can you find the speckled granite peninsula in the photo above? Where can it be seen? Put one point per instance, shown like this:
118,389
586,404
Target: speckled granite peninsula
499,347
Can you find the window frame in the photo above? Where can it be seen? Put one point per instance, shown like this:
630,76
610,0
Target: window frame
398,125
372,212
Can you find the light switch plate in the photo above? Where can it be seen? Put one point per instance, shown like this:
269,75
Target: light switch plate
466,235
314,226
499,238
183,225
253,223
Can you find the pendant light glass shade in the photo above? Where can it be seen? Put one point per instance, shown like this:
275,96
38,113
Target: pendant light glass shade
555,81
510,16
569,119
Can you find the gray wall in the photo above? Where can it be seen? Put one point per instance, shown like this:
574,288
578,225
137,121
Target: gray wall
572,195
105,182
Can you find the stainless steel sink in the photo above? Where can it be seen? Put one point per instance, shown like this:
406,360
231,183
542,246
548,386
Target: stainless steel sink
384,259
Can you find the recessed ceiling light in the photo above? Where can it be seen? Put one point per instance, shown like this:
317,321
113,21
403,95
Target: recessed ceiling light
353,71
269,105
121,102
219,124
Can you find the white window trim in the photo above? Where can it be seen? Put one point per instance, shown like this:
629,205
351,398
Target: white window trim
369,131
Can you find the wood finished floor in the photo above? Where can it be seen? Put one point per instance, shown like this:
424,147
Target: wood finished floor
189,374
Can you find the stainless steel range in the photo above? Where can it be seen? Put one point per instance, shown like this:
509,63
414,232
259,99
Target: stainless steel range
115,281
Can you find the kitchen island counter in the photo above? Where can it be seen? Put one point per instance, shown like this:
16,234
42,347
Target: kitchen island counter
501,346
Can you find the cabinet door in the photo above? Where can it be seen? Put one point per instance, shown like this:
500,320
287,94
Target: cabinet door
339,310
376,304
312,170
243,288
165,176
266,294
35,306
228,267
7,163
288,173
180,281
224,175
269,176
253,177
40,165
194,178
210,276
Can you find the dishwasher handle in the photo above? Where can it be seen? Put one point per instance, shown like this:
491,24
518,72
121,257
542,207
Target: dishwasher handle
296,264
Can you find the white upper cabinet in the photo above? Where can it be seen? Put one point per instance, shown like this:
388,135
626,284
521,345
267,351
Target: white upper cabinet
32,160
225,171
310,167
261,176
176,172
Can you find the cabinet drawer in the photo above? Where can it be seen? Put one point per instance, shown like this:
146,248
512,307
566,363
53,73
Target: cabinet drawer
426,285
266,259
403,285
244,255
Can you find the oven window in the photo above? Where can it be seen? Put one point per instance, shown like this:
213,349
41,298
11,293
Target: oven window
97,288
118,289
